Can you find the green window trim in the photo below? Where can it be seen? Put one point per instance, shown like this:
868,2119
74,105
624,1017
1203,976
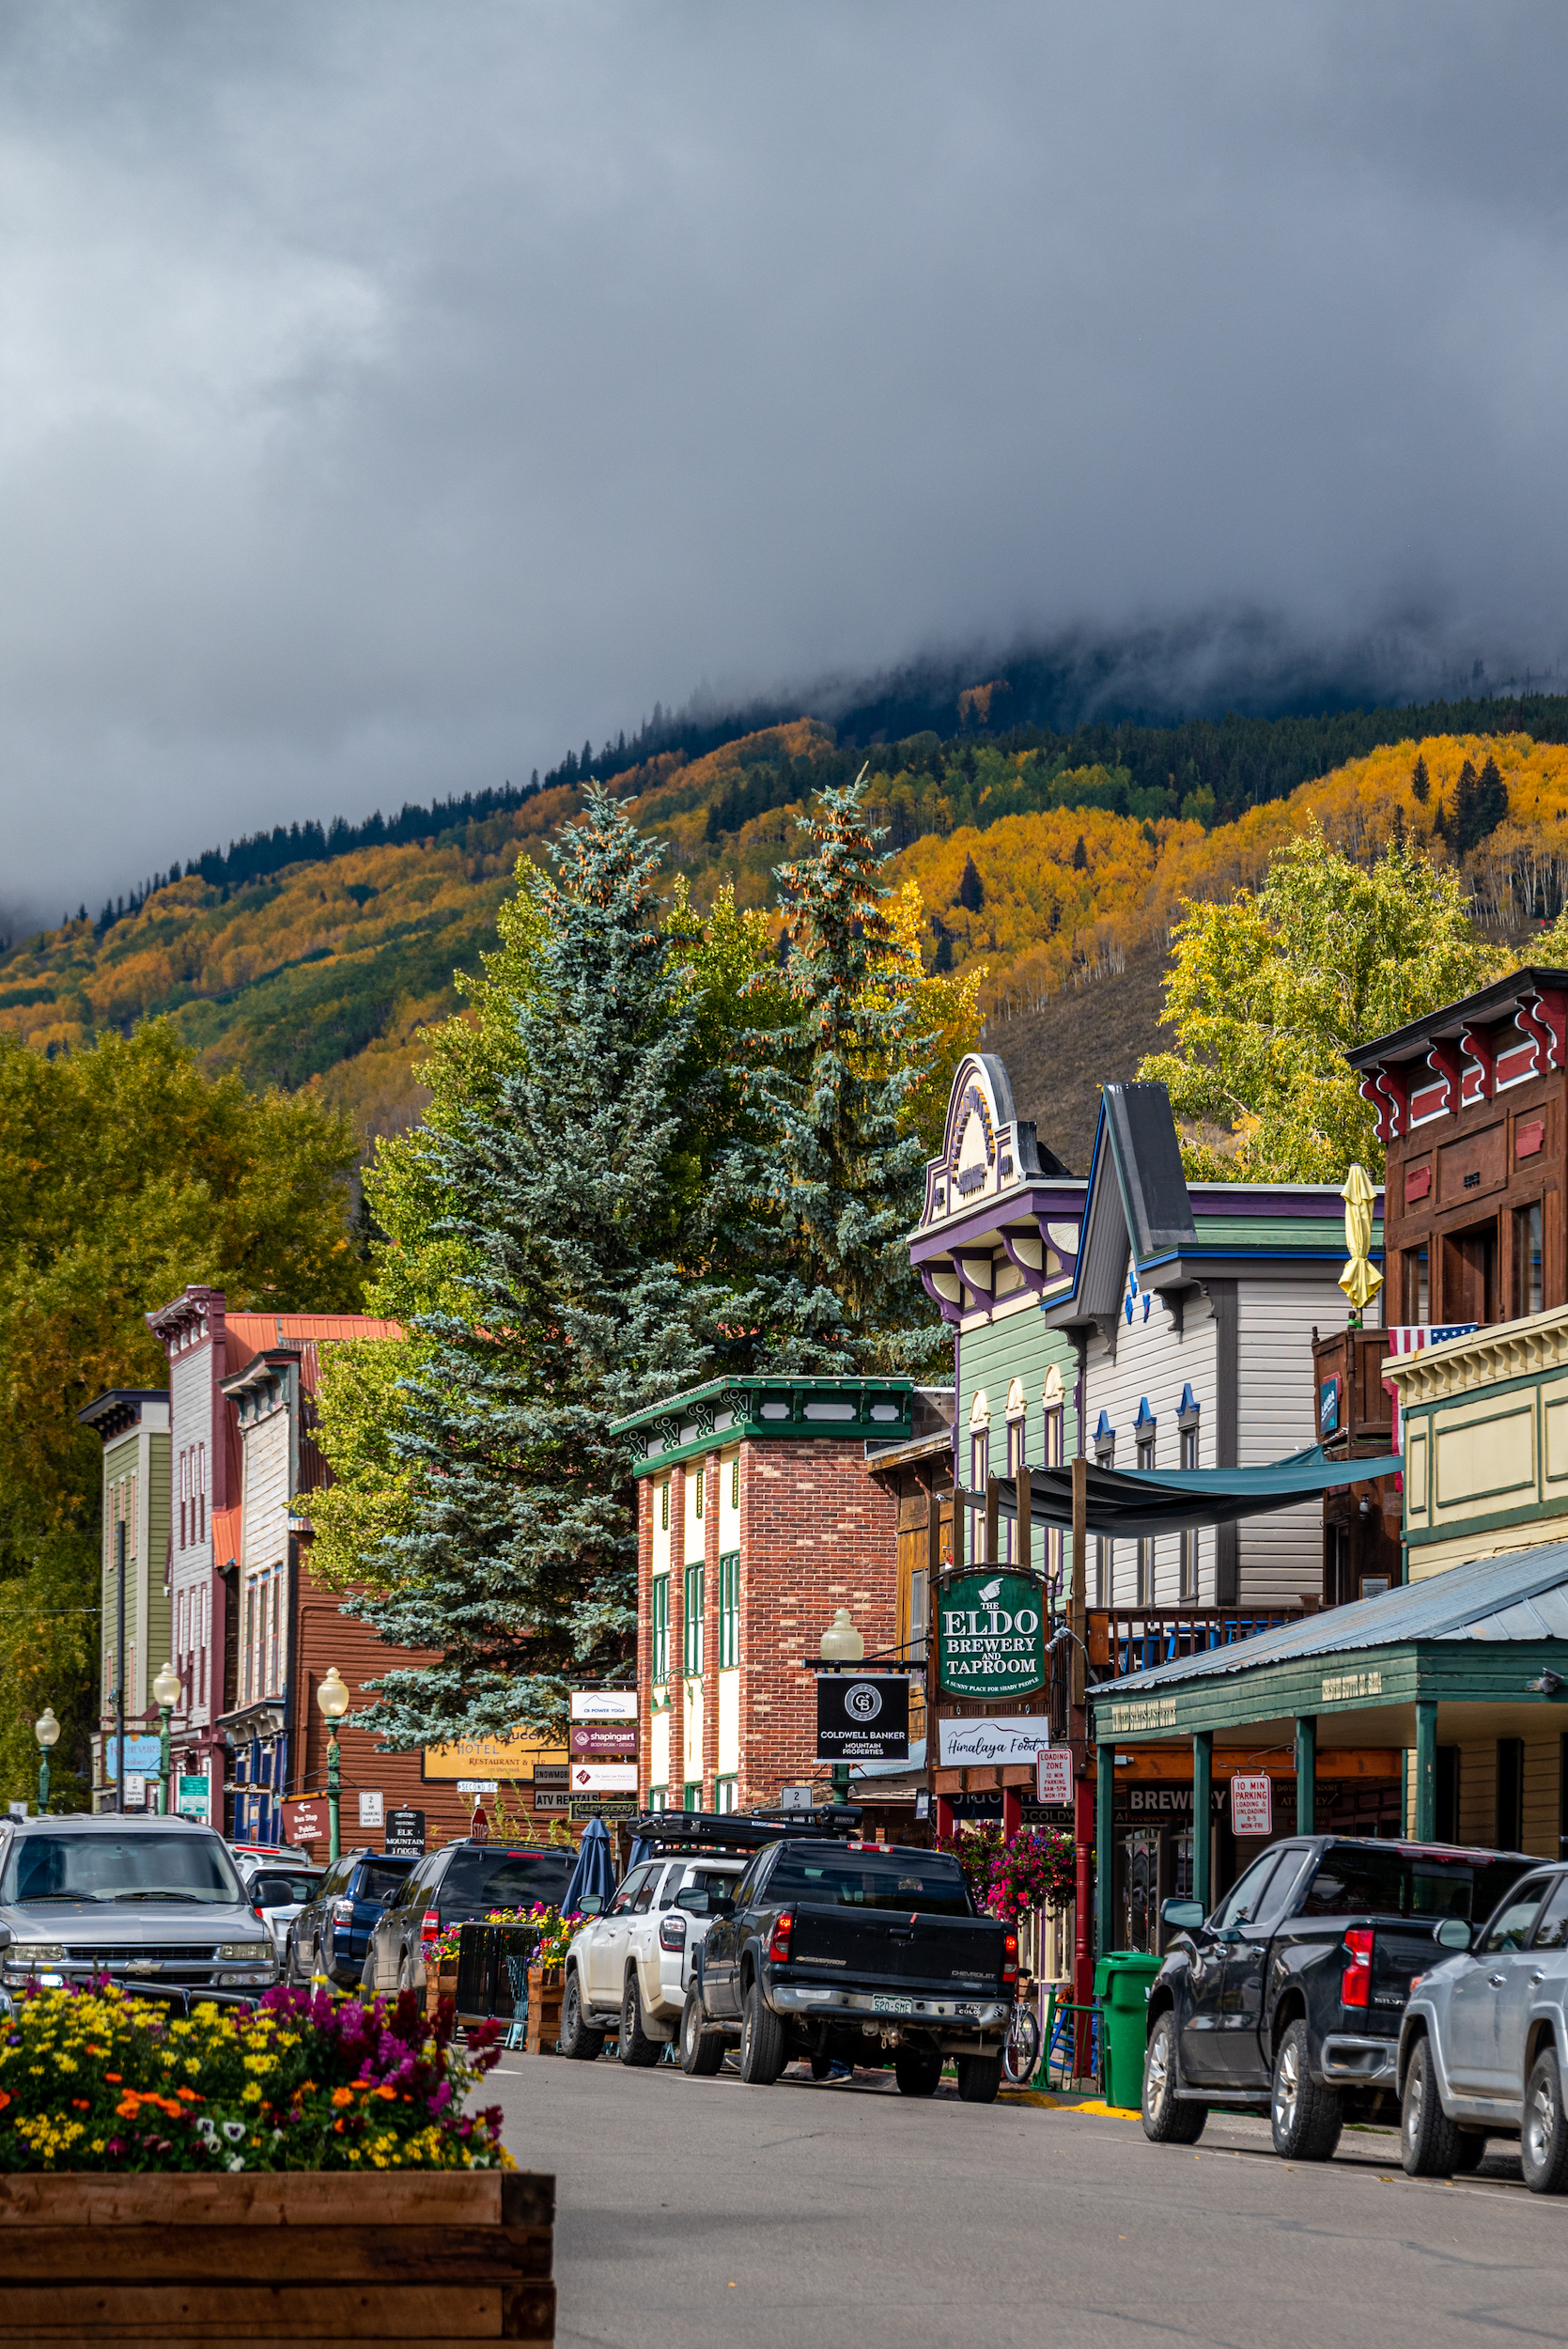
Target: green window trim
660,1628
729,1610
692,1627
691,1792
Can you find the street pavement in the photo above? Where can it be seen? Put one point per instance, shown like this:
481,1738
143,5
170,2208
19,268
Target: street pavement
698,2212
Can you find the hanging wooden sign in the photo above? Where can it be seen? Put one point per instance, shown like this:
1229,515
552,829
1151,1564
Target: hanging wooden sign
990,1635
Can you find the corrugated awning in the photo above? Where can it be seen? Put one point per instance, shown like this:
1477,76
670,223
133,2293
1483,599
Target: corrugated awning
1129,1503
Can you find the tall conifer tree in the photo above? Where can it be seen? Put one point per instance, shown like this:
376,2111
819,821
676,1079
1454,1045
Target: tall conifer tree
520,1568
836,1180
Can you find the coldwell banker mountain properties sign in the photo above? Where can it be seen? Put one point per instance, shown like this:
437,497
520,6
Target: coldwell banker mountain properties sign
991,1635
863,1720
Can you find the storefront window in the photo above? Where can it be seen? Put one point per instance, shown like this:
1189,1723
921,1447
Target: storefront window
661,1627
1529,1294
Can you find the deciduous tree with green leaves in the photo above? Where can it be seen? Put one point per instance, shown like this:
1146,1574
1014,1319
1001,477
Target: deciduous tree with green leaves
1267,992
125,1172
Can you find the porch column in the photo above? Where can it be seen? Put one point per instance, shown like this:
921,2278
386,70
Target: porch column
1426,1772
1203,1804
1306,1773
1105,1872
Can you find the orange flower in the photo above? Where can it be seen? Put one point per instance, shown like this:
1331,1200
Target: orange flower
343,2096
390,2093
5,2099
116,2076
190,2097
339,2126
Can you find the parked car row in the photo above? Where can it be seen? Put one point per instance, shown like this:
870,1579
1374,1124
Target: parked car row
1347,1980
812,1947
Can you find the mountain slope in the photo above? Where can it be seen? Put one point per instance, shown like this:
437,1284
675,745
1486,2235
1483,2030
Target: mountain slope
322,973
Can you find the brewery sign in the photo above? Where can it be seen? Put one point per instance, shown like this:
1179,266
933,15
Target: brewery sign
863,1719
991,1635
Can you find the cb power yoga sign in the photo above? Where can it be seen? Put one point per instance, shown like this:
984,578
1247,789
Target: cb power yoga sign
991,1635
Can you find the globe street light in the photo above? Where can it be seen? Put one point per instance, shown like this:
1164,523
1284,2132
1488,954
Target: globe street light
842,1644
167,1690
334,1700
46,1729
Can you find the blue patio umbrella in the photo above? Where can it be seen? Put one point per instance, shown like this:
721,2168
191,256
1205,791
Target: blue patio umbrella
594,1872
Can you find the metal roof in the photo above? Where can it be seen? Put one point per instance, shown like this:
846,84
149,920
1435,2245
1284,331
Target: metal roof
1523,1595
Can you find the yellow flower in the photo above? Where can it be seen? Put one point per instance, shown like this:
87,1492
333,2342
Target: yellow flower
250,2095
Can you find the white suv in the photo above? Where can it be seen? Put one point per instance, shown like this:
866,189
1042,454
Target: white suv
628,1971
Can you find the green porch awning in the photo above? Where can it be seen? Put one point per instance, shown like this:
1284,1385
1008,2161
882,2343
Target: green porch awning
1128,1503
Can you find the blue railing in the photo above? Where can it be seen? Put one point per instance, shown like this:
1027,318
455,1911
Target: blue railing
1141,1638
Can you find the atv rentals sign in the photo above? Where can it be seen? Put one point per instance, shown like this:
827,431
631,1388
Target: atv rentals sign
991,1635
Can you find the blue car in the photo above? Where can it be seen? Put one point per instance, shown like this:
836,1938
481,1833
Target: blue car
331,1933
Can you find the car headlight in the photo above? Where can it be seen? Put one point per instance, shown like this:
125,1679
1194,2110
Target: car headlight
36,1953
252,1952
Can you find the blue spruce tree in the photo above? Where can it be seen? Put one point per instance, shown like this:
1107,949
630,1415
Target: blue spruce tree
569,1197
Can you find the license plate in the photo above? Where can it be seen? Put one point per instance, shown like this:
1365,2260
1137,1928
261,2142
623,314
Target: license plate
881,2005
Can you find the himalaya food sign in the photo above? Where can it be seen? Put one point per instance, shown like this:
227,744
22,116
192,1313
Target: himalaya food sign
991,1635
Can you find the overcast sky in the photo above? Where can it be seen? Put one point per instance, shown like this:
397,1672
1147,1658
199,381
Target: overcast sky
392,394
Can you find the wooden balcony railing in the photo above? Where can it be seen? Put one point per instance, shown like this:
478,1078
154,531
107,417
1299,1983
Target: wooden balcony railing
1123,1639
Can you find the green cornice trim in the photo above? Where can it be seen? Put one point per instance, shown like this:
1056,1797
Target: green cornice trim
735,1410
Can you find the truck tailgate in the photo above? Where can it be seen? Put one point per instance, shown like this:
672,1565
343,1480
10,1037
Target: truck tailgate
941,1953
1399,1953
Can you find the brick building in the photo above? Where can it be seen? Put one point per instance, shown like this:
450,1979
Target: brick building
757,1519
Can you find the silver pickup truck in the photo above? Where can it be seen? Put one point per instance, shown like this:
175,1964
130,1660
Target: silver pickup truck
150,1900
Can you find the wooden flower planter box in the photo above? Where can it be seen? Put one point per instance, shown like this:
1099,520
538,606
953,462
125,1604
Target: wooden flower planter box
544,2009
442,1984
431,2258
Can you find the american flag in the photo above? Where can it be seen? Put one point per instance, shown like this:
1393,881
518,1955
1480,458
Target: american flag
1413,1338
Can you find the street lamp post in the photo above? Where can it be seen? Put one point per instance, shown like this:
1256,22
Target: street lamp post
842,1644
167,1690
46,1729
334,1700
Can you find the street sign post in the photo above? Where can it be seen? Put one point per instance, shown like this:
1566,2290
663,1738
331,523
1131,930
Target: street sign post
1252,1804
1053,1774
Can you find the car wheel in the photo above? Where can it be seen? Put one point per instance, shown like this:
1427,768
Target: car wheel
979,2077
917,2070
1306,2119
761,2042
1429,2143
1544,2138
701,2051
635,2047
1168,2116
578,2040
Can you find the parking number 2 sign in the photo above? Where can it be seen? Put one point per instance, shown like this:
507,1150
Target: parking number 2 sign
1251,1805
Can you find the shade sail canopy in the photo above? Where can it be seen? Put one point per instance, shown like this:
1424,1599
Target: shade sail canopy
1126,1504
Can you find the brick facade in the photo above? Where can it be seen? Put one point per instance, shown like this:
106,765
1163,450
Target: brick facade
816,1533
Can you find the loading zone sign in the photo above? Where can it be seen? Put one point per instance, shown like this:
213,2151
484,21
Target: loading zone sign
863,1720
991,1635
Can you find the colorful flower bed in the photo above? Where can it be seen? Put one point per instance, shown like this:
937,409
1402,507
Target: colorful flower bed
99,2080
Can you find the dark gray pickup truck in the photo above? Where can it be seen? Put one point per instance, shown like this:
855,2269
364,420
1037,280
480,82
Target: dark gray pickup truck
857,1957
1290,1995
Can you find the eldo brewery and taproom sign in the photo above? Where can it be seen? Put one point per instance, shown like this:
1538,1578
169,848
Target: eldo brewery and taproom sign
991,1635
863,1720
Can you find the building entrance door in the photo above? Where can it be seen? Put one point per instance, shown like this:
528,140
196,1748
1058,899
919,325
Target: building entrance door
1142,1901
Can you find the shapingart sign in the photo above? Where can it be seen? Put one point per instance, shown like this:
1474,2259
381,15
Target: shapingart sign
991,1635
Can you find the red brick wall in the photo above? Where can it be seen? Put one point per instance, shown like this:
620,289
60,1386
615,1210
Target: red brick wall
816,1534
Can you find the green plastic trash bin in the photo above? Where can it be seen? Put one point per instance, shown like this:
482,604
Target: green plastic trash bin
1121,1982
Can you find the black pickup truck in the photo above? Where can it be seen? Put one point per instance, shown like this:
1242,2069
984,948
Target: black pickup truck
853,1955
1291,1994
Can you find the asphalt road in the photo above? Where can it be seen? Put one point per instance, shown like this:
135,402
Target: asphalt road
707,2215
